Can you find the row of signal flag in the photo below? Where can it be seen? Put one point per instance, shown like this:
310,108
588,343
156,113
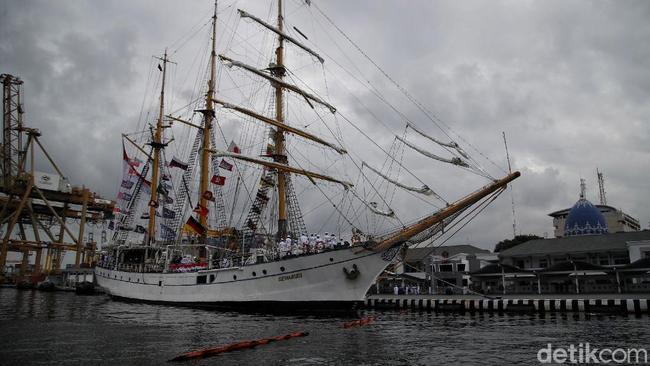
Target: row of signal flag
191,224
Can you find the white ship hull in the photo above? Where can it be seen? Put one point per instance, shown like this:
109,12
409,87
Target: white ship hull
311,280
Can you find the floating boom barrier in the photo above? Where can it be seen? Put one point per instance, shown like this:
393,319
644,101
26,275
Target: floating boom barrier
207,352
359,323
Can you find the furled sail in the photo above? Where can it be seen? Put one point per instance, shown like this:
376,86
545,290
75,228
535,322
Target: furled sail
455,160
451,144
425,190
373,206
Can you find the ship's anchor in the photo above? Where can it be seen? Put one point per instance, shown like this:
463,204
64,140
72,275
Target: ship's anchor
353,274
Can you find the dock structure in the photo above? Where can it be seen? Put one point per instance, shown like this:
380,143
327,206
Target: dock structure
590,303
39,212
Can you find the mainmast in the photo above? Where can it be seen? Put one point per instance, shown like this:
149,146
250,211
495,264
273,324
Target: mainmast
157,144
208,117
280,155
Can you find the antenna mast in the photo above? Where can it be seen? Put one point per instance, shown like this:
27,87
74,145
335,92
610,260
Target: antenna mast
601,187
157,144
512,196
583,188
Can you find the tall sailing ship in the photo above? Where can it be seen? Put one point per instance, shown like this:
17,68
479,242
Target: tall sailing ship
209,205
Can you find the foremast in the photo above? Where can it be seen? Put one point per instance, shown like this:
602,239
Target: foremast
208,118
157,144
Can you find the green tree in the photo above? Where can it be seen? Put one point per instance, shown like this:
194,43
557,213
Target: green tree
509,243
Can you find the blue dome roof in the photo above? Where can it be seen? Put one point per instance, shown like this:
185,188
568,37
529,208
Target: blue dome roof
584,219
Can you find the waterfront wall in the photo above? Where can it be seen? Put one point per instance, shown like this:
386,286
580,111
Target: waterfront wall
590,304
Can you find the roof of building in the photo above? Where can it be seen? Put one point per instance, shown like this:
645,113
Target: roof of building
642,264
497,268
570,266
584,219
417,254
576,244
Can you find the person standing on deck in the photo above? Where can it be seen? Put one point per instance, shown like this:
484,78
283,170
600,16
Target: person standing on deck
283,248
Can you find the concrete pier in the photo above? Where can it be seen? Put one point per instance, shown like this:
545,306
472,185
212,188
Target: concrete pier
589,303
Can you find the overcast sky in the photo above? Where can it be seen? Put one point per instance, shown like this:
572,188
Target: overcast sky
567,81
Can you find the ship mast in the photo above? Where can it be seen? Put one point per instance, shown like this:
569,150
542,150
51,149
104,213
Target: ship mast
157,144
208,115
280,155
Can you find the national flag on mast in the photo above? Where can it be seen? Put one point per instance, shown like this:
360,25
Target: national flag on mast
195,226
177,163
225,165
233,148
218,180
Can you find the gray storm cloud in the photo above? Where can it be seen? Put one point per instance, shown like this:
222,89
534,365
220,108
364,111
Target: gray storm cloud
567,81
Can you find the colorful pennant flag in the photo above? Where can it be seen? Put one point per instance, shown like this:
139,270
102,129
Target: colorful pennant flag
208,196
270,149
167,232
124,196
168,214
145,216
203,211
218,180
225,165
266,182
163,189
126,184
177,163
233,148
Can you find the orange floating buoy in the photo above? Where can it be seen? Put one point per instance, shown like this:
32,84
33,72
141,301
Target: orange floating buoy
207,352
359,322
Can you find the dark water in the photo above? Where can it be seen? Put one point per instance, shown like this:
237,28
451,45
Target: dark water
39,328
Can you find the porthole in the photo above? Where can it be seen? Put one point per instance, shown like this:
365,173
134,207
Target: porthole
254,274
282,269
331,259
263,271
234,277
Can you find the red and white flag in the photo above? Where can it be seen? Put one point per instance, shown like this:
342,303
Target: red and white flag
233,148
218,180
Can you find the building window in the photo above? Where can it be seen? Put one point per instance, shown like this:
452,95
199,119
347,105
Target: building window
460,267
201,279
520,264
621,260
446,268
543,263
603,261
646,254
